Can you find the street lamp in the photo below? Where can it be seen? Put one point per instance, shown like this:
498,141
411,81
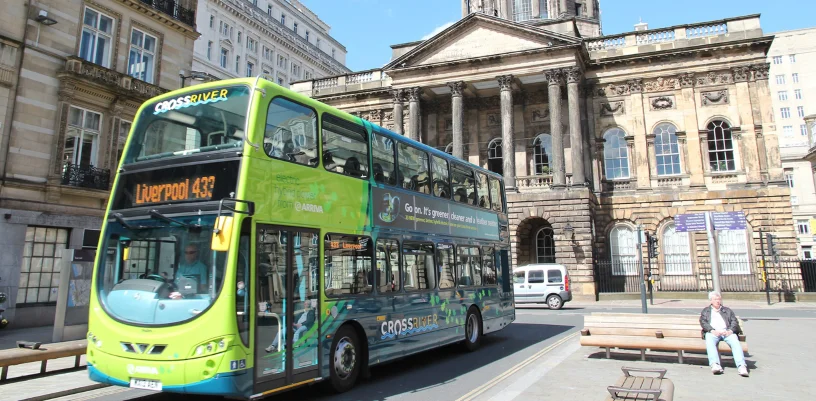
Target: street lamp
44,19
194,75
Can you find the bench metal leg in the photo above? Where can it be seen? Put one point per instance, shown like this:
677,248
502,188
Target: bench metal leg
642,354
43,365
680,356
76,361
607,353
3,373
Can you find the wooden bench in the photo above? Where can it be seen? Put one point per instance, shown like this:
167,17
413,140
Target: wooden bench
644,331
41,353
637,387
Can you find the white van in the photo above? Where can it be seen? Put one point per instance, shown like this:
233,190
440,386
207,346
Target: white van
542,283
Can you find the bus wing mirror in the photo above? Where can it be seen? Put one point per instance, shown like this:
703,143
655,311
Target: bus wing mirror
222,234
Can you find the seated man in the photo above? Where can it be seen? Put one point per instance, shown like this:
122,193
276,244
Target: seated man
719,323
302,323
191,267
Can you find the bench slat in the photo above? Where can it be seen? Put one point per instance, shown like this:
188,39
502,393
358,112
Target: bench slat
16,356
659,344
655,326
644,332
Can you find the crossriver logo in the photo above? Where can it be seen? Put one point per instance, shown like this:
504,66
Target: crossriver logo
393,328
142,369
190,100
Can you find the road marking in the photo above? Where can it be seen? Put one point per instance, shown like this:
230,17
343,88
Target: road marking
481,389
521,384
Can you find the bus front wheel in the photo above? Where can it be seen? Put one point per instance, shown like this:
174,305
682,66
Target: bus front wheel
473,330
346,359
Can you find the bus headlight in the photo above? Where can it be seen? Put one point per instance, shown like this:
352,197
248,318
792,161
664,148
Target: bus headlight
212,346
199,350
222,344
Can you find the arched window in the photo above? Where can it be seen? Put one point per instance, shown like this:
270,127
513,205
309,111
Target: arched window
542,154
495,162
720,146
449,149
616,157
545,246
667,152
676,251
623,249
733,252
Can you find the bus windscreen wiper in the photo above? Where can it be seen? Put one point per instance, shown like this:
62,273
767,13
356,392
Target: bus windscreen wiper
156,215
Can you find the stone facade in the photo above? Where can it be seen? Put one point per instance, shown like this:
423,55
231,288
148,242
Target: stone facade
282,41
72,67
606,133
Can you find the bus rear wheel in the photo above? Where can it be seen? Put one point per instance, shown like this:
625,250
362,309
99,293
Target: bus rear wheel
473,330
345,365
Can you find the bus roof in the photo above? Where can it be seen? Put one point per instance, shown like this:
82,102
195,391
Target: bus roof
264,83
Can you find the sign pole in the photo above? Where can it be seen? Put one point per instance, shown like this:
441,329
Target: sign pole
640,269
651,284
712,252
763,266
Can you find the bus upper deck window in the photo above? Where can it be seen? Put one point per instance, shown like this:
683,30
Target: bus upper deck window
345,147
495,194
291,132
481,190
384,160
441,184
412,172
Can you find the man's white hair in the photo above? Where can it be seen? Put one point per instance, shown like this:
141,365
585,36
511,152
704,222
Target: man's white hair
713,294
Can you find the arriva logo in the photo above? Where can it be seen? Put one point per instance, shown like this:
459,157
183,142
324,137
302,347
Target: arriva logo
308,207
142,369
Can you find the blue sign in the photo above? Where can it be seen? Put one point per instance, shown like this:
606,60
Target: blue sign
728,220
690,222
239,364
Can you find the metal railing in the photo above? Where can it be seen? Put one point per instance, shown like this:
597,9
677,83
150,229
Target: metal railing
173,9
788,275
85,176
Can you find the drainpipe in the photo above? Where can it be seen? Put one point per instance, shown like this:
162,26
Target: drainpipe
7,142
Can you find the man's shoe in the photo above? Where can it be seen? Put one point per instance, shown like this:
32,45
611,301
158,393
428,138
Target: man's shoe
269,349
743,371
716,369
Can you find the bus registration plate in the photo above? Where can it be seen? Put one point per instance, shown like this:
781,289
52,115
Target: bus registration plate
145,384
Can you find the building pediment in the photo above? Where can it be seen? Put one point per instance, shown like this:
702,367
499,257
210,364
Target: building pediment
226,42
477,36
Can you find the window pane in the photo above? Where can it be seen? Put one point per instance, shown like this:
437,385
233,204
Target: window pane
291,132
150,43
384,156
345,147
413,169
463,184
348,264
388,277
495,194
447,262
554,276
105,24
616,157
489,266
441,184
623,249
418,266
136,38
535,277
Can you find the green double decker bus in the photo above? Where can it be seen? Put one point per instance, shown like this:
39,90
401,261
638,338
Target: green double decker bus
257,240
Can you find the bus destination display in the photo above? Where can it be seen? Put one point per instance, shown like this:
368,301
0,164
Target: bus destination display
188,189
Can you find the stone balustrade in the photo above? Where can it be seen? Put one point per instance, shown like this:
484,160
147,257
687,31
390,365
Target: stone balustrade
371,79
543,181
675,37
6,75
117,81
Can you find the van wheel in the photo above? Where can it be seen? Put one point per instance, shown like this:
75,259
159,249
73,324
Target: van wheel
473,330
554,302
345,362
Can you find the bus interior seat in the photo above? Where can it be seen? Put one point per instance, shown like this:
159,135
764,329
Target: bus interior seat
352,167
379,176
466,280
328,161
422,183
460,195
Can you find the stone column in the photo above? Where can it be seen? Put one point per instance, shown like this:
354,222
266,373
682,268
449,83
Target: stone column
563,8
749,151
458,114
554,79
697,147
763,93
535,10
704,150
414,116
574,76
508,140
398,95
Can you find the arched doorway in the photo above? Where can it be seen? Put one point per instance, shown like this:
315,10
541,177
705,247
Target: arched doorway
536,242
495,161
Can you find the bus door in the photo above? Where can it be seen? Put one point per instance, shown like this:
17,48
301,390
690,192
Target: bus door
286,323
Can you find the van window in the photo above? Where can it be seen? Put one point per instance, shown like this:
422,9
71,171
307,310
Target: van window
535,276
518,277
554,276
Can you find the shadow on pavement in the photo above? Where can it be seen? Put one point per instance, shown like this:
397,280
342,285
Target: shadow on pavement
436,367
689,358
545,307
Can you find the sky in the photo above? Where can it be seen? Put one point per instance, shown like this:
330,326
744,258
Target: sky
367,28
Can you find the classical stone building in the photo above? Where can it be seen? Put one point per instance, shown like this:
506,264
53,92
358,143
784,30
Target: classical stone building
281,40
596,135
72,75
